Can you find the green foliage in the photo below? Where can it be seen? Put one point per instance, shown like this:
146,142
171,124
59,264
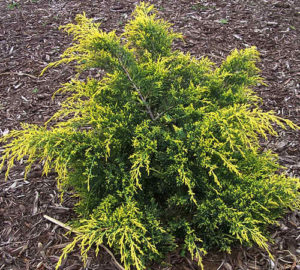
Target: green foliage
13,5
223,21
164,150
35,90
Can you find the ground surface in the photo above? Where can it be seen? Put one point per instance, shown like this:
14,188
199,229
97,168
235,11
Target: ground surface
30,39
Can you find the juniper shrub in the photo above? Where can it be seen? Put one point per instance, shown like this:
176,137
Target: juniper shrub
163,151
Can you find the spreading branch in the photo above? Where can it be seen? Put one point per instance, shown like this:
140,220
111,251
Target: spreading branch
59,223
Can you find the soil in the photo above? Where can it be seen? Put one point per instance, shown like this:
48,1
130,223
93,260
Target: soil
30,39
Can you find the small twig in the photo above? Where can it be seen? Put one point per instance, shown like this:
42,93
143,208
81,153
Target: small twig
59,207
59,223
67,227
112,256
20,73
190,263
11,243
217,56
9,182
285,261
221,265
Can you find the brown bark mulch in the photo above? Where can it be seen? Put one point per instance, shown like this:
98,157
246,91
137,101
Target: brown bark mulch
30,39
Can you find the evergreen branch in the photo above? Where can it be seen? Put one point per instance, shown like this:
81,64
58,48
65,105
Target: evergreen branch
149,111
159,115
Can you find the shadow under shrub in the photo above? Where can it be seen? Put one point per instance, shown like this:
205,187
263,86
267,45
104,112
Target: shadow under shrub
164,150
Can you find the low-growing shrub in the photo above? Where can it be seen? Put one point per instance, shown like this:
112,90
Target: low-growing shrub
163,152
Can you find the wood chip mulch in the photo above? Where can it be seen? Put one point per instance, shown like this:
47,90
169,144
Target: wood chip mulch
30,39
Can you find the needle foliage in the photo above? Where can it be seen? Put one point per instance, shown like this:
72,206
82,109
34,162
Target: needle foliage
163,152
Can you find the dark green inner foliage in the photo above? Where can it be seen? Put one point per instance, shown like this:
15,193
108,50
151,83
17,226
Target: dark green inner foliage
162,152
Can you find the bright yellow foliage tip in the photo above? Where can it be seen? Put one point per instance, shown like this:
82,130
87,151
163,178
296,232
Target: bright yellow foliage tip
163,151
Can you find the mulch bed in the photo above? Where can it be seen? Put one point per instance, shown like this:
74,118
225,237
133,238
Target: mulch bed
30,39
